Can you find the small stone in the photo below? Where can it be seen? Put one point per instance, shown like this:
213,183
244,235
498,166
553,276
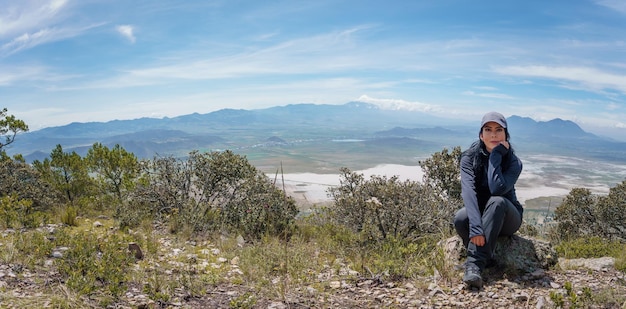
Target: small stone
541,302
334,284
240,241
57,254
97,224
135,250
522,297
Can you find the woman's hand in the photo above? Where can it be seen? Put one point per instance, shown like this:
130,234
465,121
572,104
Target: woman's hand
505,144
478,240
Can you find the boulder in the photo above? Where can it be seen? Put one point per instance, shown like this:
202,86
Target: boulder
517,253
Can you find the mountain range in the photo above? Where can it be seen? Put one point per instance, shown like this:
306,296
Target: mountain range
357,131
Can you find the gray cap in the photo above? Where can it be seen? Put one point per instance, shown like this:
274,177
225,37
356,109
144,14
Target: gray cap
495,117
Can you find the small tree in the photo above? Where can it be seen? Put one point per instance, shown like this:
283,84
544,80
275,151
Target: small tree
611,212
9,128
117,170
17,177
67,173
583,214
443,172
576,216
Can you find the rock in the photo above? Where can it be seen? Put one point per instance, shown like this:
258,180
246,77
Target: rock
135,250
240,241
97,224
516,253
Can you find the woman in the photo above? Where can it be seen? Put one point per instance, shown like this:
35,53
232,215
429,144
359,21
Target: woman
489,170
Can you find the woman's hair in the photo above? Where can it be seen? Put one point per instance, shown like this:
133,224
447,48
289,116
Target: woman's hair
478,150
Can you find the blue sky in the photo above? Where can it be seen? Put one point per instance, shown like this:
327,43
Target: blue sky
65,61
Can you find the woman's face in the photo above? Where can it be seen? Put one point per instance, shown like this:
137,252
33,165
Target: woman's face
492,135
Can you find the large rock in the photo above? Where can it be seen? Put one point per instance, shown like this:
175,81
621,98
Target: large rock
514,253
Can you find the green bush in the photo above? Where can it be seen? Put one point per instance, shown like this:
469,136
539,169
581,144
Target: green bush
15,212
583,214
384,207
259,209
195,218
68,216
95,265
213,191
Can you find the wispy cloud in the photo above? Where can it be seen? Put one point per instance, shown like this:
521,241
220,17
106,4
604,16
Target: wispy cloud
10,75
27,16
30,23
43,36
617,5
127,32
589,78
29,75
490,95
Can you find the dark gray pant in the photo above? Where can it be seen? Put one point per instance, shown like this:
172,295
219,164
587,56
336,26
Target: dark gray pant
500,218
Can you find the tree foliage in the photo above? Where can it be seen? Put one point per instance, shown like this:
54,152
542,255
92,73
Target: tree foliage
583,214
442,171
9,128
116,169
22,180
387,208
214,190
66,172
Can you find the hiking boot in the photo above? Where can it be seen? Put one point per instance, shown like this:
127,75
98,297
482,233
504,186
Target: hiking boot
472,276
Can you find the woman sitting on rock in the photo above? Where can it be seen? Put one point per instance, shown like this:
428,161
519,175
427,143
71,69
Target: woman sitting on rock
489,171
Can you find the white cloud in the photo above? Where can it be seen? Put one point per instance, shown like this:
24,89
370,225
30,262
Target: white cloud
24,16
613,106
617,5
43,36
394,104
590,78
127,32
488,95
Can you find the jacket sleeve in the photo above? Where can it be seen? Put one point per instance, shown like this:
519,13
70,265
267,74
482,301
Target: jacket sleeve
500,182
470,197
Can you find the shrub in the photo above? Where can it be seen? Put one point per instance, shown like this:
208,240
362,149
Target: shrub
384,207
68,216
260,208
15,212
92,263
19,178
215,190
583,214
442,171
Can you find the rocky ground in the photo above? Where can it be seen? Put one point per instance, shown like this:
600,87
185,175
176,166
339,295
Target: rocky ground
540,289
582,283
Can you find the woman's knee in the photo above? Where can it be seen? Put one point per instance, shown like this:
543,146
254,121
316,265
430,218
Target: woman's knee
497,201
461,221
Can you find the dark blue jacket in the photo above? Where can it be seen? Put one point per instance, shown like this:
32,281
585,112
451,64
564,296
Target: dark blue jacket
497,174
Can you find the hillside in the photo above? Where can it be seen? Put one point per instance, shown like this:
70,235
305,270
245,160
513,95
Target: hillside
312,133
